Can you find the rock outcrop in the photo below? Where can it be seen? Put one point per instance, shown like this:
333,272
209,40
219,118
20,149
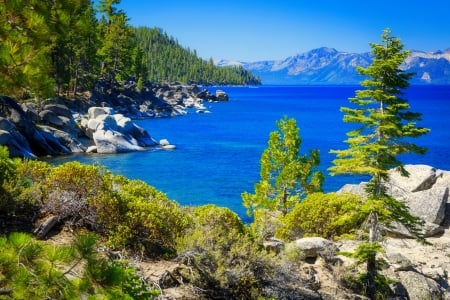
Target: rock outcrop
114,133
425,191
100,121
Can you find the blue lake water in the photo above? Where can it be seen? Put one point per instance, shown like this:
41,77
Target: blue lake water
217,154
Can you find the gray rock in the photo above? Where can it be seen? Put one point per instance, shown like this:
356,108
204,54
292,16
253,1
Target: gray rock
51,118
221,95
419,286
274,245
429,205
108,141
427,230
425,192
95,111
421,177
16,144
315,246
59,109
399,262
66,139
358,189
91,149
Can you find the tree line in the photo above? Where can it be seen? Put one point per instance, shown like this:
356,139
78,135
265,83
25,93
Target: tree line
63,47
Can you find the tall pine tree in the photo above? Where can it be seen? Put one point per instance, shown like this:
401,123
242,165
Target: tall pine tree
384,128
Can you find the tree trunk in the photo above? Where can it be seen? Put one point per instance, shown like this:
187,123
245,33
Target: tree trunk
371,259
371,276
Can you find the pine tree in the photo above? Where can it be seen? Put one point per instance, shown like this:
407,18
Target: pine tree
385,126
76,42
286,176
25,34
117,46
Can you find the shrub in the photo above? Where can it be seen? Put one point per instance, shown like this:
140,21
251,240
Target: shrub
70,187
228,263
216,237
327,215
136,214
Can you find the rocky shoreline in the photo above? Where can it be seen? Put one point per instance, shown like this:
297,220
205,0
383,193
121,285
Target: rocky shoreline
99,121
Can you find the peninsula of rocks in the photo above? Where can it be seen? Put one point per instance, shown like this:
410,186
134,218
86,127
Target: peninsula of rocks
98,121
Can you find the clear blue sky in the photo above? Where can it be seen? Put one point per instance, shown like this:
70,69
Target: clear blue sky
252,30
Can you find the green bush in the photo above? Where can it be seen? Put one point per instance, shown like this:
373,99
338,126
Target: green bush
68,190
329,215
136,215
225,259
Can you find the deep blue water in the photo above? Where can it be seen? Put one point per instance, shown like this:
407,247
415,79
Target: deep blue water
217,154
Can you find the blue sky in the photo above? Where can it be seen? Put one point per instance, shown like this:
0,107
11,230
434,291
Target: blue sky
252,30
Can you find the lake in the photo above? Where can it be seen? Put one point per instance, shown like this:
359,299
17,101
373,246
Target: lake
217,154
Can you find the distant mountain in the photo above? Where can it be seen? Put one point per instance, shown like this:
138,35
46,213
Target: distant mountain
329,66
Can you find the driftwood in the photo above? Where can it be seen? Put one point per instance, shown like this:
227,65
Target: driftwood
45,227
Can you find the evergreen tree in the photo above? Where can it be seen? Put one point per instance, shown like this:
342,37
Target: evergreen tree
385,126
286,176
25,34
76,42
117,46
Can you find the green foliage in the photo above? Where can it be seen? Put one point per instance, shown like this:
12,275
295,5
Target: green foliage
31,269
225,260
359,282
139,216
224,257
385,126
286,176
76,41
60,46
7,165
166,60
69,188
383,116
327,215
25,32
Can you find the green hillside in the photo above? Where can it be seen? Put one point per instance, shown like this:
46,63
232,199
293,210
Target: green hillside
167,60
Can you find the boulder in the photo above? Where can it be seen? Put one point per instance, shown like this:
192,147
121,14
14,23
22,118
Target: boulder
420,191
59,109
221,95
66,139
315,246
96,111
51,118
399,262
91,149
273,244
358,189
123,134
108,141
425,191
39,143
17,145
419,286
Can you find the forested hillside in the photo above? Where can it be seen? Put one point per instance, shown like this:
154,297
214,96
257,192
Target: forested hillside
66,46
167,60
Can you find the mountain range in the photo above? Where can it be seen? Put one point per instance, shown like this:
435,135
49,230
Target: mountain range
330,66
